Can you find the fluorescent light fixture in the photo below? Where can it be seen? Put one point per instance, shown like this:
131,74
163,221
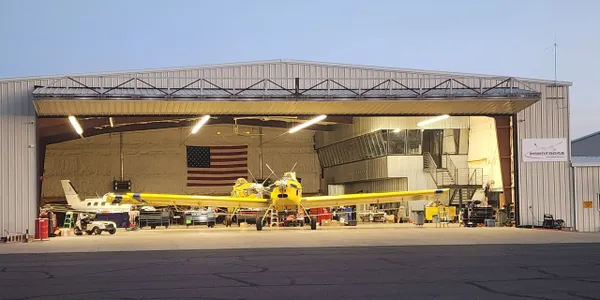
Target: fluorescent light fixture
306,124
111,122
76,125
433,120
200,123
396,130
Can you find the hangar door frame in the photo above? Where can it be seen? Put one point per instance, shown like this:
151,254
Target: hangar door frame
498,97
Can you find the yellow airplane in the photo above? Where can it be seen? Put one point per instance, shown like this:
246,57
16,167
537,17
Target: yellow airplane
286,196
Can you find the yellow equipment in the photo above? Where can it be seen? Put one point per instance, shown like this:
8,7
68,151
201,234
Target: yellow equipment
435,211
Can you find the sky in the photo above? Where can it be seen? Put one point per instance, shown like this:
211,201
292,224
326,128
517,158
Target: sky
508,37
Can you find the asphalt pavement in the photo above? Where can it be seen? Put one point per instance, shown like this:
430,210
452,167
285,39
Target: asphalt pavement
515,271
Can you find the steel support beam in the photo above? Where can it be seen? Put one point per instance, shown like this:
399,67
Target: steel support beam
503,133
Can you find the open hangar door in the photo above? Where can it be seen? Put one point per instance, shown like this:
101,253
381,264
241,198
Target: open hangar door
180,107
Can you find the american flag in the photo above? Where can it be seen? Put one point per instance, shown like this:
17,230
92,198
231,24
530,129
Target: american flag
216,165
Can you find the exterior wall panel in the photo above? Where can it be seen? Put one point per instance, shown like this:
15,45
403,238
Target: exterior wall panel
18,180
544,187
587,188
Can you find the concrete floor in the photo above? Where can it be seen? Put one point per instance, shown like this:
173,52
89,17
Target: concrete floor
221,237
366,262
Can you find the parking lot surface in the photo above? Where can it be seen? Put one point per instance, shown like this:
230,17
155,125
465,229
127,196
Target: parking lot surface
367,263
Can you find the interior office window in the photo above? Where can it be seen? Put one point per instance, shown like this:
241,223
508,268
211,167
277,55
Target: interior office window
327,156
384,137
397,142
451,141
337,155
353,149
362,151
414,142
367,144
380,143
343,153
320,156
373,142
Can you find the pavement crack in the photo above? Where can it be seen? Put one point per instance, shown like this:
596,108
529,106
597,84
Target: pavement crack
489,290
107,272
389,261
540,271
261,269
581,296
49,276
235,279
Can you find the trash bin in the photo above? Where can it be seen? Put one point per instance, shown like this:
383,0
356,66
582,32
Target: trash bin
418,217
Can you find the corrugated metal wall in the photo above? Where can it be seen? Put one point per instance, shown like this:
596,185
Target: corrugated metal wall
18,164
410,167
383,185
545,187
357,171
587,188
154,160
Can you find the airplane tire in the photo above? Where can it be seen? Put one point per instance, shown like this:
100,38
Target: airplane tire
259,225
313,223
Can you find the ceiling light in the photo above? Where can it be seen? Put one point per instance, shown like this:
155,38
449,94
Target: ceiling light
200,123
306,124
396,130
76,125
433,120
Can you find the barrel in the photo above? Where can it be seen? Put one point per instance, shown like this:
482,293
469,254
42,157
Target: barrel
41,228
418,217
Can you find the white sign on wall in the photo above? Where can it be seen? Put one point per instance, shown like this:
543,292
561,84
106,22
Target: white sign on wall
544,150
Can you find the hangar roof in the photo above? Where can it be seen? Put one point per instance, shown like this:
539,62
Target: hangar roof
283,88
293,61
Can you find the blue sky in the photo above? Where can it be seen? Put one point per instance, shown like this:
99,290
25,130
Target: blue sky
506,37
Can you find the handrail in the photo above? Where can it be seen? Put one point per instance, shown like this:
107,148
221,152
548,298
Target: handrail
430,165
451,168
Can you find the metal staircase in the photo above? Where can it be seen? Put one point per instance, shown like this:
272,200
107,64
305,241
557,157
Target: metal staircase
462,182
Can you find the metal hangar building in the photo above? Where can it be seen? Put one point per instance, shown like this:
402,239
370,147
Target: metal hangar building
386,129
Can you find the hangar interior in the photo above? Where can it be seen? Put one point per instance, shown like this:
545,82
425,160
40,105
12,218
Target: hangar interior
339,155
385,129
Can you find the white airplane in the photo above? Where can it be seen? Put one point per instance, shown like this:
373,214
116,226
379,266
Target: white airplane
93,205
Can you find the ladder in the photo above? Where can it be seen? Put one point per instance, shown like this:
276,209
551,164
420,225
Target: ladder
69,220
442,220
274,218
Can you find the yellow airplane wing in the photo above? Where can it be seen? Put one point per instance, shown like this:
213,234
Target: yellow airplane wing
373,198
189,200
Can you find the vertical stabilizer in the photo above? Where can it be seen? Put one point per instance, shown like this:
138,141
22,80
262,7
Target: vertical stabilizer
70,192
